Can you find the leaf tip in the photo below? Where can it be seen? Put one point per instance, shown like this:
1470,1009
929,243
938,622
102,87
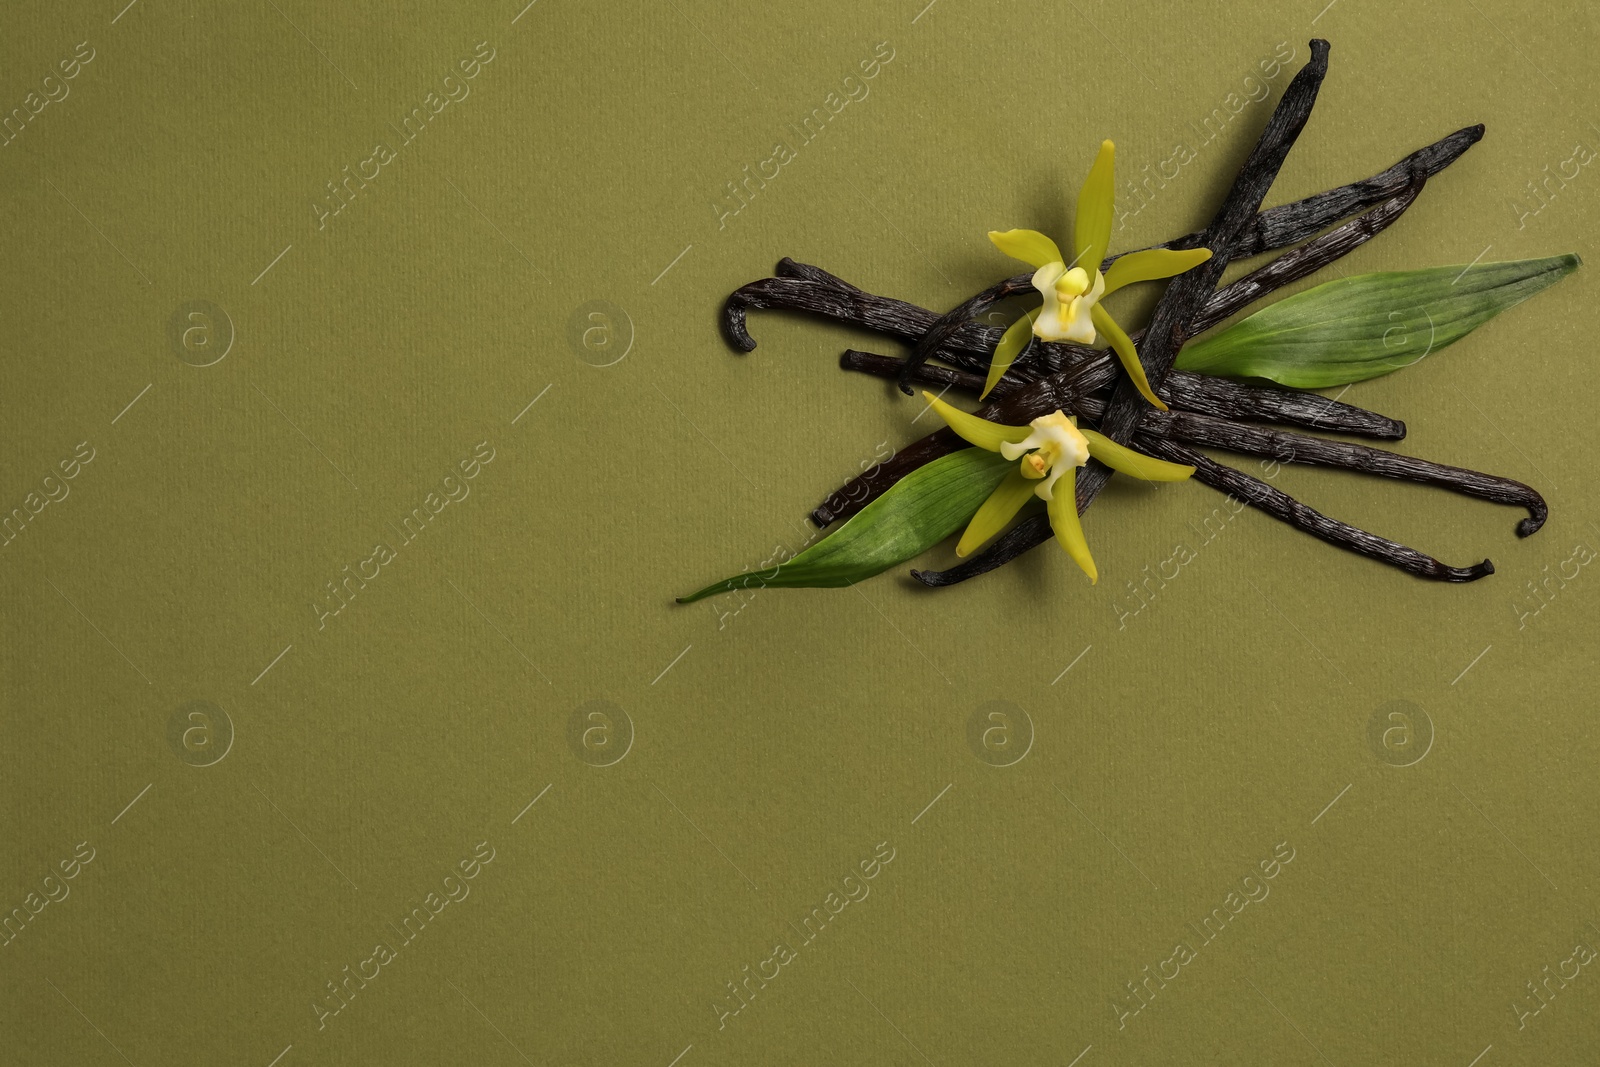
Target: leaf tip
699,594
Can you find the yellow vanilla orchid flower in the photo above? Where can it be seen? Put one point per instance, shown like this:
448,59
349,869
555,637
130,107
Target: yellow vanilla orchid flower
1072,291
1051,449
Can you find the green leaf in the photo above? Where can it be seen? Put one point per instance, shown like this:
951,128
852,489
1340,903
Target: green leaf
1360,327
913,515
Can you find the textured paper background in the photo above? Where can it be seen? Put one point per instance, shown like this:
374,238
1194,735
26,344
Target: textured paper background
768,747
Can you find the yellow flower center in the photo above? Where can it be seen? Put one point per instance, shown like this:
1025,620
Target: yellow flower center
1074,282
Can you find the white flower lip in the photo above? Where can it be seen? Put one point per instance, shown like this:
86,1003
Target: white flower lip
1069,297
1060,445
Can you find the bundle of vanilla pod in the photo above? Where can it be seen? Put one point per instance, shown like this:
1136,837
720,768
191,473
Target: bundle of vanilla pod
1163,393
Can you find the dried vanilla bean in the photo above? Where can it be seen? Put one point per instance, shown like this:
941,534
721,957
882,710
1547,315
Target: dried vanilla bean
1303,261
1206,395
1287,224
1282,506
970,348
1286,447
1029,532
957,317
870,484
927,374
1199,393
815,297
790,268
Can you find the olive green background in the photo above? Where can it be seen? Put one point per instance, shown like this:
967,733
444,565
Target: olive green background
771,744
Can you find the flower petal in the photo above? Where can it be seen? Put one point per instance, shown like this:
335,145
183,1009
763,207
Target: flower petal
1126,353
992,517
1077,321
1091,225
1030,246
1063,510
1126,460
1047,324
1012,343
981,432
1151,264
1015,450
